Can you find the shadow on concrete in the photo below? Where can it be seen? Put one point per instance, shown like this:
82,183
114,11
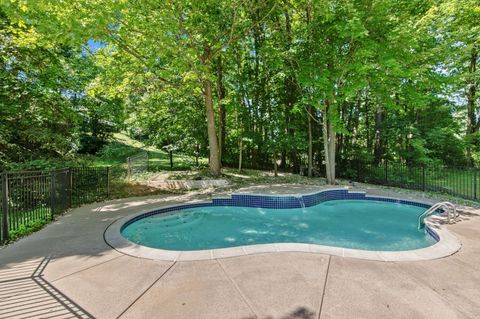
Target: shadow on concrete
299,313
79,233
24,293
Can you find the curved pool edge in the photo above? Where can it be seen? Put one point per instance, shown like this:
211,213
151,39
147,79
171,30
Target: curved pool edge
447,244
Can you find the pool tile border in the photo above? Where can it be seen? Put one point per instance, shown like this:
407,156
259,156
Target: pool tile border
447,244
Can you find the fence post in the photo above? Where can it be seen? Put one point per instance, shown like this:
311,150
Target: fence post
52,194
474,183
423,177
5,206
108,182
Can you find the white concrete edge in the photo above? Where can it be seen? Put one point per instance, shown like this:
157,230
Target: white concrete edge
446,246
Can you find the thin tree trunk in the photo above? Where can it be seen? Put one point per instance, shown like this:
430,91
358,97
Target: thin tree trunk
367,124
221,108
283,160
197,153
379,147
275,165
325,145
472,126
332,140
355,120
240,154
310,142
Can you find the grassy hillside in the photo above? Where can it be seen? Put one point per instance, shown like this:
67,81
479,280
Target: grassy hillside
115,153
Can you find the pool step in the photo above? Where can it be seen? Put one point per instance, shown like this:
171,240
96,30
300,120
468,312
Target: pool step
447,207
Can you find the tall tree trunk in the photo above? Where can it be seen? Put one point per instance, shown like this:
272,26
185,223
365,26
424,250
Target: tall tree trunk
275,164
290,95
240,154
341,136
215,164
329,141
214,158
356,118
379,138
332,140
310,142
197,154
283,160
221,108
310,114
472,126
367,123
240,139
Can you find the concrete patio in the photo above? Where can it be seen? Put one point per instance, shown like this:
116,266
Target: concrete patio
68,271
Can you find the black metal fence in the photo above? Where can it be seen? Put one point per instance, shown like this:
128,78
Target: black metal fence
31,199
138,164
457,181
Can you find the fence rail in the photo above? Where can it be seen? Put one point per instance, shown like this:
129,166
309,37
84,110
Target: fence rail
457,181
30,199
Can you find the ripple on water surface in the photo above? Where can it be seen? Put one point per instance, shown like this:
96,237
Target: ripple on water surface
358,224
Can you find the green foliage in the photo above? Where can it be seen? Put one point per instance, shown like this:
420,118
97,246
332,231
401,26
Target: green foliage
27,226
396,80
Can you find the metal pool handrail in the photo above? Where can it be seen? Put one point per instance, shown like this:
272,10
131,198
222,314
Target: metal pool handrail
450,208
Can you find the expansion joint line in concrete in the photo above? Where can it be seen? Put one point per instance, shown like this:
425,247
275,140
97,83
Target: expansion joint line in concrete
87,268
324,288
238,289
148,288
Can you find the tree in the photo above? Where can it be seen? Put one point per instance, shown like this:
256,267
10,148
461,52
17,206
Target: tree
37,117
261,84
169,42
454,24
330,66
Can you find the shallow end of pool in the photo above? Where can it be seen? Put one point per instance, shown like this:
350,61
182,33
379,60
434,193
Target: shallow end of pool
447,245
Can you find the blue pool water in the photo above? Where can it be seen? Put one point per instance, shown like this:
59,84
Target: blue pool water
359,224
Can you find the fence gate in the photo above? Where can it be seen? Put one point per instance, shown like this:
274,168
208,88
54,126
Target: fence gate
137,164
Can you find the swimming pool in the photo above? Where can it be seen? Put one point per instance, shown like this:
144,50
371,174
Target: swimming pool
334,221
358,224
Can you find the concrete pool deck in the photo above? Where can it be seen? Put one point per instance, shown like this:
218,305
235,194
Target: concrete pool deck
67,270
